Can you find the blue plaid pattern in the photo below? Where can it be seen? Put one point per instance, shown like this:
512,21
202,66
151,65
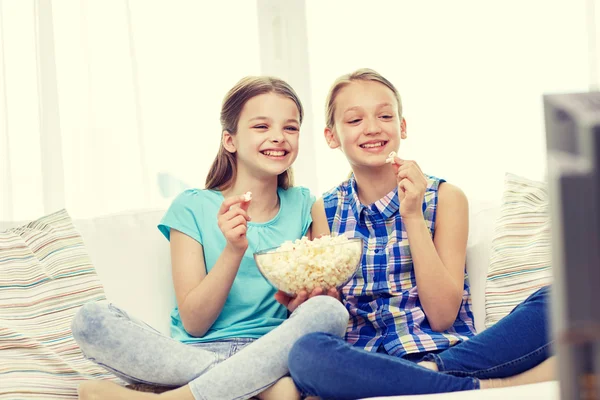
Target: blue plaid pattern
382,298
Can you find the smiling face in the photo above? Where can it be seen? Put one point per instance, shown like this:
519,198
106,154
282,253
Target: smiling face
266,141
367,125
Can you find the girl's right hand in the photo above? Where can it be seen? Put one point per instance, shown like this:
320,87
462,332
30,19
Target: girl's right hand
291,303
233,222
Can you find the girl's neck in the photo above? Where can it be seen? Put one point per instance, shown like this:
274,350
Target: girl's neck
265,201
374,183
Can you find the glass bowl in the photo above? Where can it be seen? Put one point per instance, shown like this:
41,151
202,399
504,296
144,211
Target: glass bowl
310,265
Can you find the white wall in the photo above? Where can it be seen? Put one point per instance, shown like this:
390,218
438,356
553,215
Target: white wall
471,74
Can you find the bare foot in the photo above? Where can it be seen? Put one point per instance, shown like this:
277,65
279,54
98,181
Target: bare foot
546,371
429,365
105,390
283,389
99,390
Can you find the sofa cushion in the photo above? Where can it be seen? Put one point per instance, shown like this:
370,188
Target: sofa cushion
543,391
45,276
132,259
520,252
482,221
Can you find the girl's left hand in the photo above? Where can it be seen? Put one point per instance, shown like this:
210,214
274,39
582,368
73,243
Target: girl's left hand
411,188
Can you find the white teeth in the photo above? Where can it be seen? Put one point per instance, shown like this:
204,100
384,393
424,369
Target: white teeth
247,196
274,153
369,145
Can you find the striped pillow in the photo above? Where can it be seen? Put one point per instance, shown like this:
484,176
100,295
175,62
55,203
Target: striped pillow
520,250
45,276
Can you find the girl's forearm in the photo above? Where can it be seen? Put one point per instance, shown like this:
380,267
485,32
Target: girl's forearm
204,303
438,293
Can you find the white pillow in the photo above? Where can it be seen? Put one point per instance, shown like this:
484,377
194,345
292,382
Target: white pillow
520,253
482,222
132,259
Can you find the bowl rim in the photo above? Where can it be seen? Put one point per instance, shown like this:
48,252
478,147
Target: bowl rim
271,250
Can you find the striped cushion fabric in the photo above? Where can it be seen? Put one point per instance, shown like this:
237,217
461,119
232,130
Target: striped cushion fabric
520,250
45,276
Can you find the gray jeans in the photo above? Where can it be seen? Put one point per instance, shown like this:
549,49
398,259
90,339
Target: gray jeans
136,352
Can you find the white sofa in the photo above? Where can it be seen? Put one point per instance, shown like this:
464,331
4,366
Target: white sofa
132,260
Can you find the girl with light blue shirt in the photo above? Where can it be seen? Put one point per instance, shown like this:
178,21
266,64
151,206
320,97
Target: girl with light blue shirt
224,304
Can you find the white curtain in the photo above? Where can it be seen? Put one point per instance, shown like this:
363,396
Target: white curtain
113,105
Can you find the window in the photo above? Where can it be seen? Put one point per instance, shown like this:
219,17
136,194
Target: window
135,89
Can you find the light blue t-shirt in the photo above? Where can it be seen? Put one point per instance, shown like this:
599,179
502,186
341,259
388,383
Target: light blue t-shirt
250,310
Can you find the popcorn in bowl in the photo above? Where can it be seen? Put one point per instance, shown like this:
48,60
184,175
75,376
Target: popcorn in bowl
325,262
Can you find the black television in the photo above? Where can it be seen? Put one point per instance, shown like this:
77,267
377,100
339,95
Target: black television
572,123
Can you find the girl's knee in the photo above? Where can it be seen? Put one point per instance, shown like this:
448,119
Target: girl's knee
307,351
541,295
310,360
328,313
89,322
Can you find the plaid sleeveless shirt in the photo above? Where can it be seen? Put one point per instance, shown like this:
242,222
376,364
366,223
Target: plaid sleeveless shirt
382,298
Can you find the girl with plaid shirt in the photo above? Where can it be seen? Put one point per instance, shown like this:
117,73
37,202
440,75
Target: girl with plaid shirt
411,328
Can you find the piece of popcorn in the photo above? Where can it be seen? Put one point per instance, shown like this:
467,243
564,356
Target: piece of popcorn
391,158
247,196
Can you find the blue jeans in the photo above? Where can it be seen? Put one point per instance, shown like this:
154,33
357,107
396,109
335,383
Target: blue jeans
326,366
229,369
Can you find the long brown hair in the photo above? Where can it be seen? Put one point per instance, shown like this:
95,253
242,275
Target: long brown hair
223,169
363,74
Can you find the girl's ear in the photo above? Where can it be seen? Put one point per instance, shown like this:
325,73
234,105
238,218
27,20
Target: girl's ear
228,143
403,134
331,138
